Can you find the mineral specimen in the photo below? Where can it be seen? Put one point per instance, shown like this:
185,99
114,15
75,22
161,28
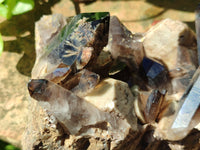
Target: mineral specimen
110,90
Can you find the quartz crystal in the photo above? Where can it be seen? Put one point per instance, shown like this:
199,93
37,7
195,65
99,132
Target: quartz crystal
186,116
124,45
156,73
77,45
72,112
165,47
149,105
82,82
114,96
75,114
153,106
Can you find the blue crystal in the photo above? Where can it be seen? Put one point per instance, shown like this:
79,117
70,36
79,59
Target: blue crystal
155,72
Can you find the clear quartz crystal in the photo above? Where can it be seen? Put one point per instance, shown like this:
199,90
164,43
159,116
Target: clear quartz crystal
186,117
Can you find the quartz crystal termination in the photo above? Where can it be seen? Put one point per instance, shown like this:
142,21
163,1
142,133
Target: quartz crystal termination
77,46
190,106
72,112
76,115
187,114
153,106
82,82
155,73
124,45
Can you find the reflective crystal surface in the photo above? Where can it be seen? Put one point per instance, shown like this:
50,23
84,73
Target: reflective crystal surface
187,114
76,46
80,40
60,73
153,106
73,78
72,112
156,73
124,45
82,82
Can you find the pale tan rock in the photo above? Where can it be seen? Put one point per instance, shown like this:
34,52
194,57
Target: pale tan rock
13,99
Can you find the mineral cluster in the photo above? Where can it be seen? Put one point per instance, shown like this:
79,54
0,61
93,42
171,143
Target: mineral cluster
118,89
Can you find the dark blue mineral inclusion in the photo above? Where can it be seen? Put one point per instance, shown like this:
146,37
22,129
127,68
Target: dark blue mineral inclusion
151,68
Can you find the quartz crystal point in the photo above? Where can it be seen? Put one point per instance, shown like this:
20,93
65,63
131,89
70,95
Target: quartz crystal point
148,105
124,45
82,82
78,44
156,73
72,112
78,116
83,39
186,116
153,106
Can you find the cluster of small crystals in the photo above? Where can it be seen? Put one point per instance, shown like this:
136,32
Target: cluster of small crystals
95,46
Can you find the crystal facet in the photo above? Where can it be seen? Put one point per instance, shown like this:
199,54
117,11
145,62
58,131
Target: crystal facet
73,79
187,114
73,112
190,105
124,45
153,106
156,74
82,82
77,46
79,39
